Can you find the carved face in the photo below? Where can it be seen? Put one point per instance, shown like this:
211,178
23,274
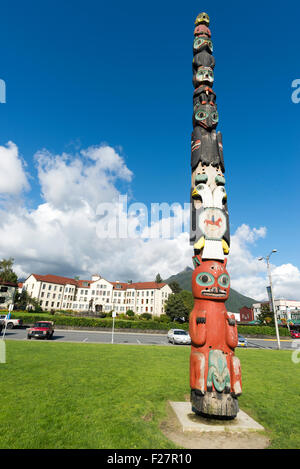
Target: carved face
205,115
202,43
205,76
210,280
202,18
202,30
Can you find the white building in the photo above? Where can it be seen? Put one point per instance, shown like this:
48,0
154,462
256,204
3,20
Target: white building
285,309
7,293
98,294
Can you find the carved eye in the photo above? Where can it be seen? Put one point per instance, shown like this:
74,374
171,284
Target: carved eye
215,117
201,115
224,280
205,279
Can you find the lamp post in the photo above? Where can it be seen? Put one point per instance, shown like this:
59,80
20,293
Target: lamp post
267,258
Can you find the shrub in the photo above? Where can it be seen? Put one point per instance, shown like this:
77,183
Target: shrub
164,318
130,313
147,316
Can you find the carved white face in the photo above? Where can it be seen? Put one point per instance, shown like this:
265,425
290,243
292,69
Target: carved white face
205,75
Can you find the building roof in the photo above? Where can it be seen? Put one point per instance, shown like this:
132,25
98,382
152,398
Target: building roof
88,283
84,283
55,279
138,285
147,285
8,284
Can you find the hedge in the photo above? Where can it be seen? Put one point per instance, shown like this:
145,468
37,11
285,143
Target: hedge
154,324
263,330
59,320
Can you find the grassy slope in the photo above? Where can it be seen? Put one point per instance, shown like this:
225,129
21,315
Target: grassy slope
57,395
235,301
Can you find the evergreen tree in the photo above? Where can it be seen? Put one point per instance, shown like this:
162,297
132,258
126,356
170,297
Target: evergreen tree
158,279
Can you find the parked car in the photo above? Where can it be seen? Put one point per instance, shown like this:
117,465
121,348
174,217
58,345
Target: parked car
295,334
242,342
2,325
179,336
10,323
41,330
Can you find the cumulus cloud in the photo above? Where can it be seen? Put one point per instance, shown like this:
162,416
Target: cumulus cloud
249,275
286,281
66,234
69,182
13,178
62,235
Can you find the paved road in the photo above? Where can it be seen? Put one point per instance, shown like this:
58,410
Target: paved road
62,335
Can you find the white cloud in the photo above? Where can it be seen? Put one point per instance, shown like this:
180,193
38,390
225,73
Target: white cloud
61,235
13,178
69,182
286,282
249,275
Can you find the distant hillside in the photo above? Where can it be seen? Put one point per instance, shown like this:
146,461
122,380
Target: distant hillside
235,301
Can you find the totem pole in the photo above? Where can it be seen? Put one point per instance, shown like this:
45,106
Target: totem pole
215,374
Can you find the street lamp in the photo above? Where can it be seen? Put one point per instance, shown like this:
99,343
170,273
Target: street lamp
267,258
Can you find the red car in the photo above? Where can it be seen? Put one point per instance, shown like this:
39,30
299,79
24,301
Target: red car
41,330
295,334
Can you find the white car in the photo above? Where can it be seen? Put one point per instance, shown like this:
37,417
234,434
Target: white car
10,323
179,336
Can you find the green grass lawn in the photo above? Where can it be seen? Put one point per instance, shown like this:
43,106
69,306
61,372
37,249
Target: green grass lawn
62,395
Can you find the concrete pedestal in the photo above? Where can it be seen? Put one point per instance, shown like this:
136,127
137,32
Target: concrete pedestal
190,422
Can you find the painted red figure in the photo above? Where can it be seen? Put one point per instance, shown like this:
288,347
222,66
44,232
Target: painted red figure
215,374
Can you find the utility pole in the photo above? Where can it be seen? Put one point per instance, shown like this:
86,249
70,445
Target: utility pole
272,297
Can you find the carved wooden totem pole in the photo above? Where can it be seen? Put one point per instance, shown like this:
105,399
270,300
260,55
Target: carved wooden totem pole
215,374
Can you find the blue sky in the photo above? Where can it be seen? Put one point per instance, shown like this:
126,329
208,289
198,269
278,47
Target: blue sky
83,73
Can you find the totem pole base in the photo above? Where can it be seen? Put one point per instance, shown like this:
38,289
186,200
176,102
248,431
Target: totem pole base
214,405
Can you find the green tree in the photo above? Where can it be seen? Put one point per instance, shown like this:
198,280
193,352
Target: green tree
176,308
24,301
6,271
188,299
175,287
158,279
266,316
